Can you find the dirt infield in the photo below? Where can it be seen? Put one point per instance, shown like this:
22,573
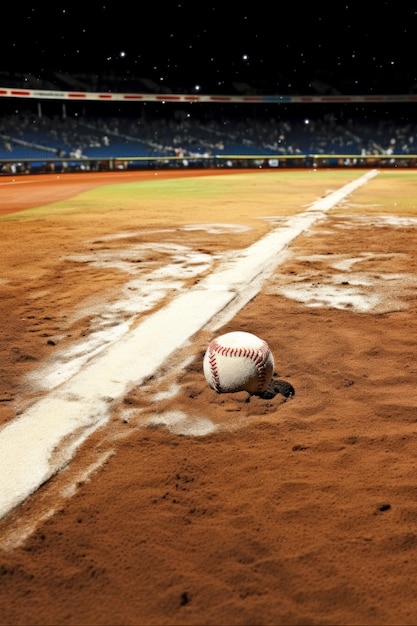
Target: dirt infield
191,507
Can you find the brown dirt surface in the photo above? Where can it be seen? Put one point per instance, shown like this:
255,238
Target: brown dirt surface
298,508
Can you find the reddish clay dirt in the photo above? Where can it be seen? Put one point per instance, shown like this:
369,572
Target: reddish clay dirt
298,510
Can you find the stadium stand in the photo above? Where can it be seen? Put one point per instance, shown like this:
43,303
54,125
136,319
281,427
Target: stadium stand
80,135
27,136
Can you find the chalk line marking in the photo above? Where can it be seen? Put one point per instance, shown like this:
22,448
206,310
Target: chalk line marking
44,437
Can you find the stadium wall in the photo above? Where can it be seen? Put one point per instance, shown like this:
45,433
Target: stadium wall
55,163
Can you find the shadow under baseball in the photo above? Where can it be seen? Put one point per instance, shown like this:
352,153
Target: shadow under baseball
277,386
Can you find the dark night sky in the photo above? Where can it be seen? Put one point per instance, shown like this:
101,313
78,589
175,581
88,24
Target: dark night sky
360,45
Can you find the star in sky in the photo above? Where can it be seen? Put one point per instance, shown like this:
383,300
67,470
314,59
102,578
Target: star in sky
189,43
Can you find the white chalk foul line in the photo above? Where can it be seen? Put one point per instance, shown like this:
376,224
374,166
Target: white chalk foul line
43,439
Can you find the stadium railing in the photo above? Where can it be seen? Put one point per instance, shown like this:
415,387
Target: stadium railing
232,161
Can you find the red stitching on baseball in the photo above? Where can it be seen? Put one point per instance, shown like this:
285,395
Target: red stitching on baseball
213,369
259,357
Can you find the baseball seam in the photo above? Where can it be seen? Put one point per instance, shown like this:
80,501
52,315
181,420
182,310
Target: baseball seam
258,356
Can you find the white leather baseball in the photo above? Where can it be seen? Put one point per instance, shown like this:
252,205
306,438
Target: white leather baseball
238,361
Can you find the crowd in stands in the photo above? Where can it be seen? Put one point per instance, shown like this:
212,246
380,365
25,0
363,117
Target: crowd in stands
34,134
30,136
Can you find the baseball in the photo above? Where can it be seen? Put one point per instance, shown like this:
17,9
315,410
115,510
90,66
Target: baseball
238,361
